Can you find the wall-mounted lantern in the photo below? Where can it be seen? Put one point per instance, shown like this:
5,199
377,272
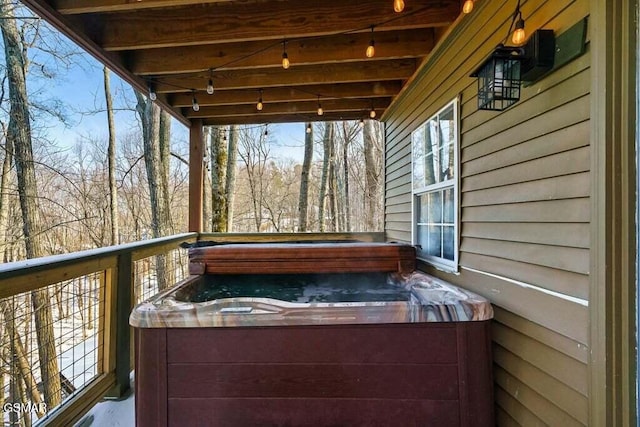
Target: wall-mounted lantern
500,76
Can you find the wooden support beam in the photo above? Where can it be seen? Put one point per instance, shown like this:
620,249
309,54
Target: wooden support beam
302,93
286,118
308,107
296,75
72,7
246,21
341,48
196,152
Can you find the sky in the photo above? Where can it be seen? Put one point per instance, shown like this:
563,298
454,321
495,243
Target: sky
80,88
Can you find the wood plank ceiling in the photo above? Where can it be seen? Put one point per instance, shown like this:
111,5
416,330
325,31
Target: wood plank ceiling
177,46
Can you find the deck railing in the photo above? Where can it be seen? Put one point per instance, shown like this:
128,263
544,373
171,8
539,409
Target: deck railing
76,307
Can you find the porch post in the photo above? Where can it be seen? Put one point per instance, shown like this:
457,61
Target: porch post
612,368
196,154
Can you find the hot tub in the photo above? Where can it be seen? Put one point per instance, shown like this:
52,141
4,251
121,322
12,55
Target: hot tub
312,335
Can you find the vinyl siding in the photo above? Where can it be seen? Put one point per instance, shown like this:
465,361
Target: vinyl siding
524,208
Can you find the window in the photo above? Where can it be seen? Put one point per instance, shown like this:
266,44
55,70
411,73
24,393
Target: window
434,160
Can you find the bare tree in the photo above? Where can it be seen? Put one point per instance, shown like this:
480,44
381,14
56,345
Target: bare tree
373,170
111,160
19,132
230,187
304,179
254,154
324,180
349,131
155,136
219,167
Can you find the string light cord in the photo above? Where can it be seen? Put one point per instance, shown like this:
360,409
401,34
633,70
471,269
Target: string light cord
513,21
152,80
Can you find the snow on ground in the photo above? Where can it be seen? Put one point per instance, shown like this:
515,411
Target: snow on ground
111,413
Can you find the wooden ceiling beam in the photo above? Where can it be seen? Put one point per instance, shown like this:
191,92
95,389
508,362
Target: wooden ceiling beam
342,48
284,118
291,94
366,71
361,106
74,7
241,21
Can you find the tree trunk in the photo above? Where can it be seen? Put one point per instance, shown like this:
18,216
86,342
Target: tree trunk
5,182
165,264
111,160
230,187
219,167
345,164
304,180
19,132
371,177
326,144
19,355
333,184
206,184
155,135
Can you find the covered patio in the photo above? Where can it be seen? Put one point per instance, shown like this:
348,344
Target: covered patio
543,194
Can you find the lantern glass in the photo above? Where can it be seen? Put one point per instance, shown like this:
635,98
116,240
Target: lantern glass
499,81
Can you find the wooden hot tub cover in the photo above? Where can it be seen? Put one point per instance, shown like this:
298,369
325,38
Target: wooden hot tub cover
292,258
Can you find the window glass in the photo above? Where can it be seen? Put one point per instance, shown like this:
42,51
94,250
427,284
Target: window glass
434,164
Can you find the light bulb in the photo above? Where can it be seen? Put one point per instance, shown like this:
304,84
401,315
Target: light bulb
467,7
195,105
320,110
259,106
372,113
398,5
519,35
266,132
210,87
285,60
152,94
361,124
309,128
371,50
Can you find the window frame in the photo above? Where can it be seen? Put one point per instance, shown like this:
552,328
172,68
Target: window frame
441,263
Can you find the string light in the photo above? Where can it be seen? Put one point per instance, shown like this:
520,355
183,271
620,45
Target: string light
371,50
467,7
285,57
398,5
519,35
210,87
308,128
194,103
361,124
372,113
259,105
320,110
152,93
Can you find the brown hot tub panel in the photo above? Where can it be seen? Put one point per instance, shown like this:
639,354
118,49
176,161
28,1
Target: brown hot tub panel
341,334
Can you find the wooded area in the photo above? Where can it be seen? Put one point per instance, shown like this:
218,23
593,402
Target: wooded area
132,184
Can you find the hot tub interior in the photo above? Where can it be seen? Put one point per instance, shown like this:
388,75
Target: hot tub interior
296,288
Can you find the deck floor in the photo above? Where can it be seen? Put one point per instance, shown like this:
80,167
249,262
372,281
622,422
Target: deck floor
111,413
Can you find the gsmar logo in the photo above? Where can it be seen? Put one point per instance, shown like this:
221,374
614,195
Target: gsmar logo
24,407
